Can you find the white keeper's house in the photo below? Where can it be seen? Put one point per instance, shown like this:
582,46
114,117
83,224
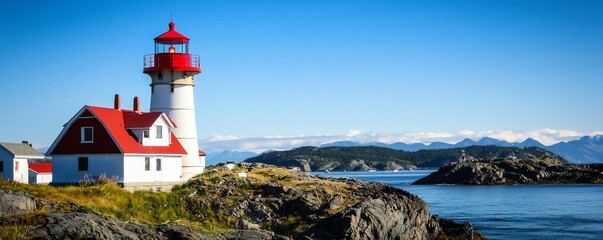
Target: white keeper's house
136,149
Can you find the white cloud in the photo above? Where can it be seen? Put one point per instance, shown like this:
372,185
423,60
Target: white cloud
353,132
260,144
218,138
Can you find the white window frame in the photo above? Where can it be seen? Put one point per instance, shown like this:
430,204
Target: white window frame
145,133
83,134
158,164
159,132
147,164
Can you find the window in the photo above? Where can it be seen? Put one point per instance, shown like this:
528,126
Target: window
1,166
87,134
16,165
145,133
159,132
82,164
147,164
158,164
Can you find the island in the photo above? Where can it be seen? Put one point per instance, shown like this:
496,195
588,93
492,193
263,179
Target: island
368,158
515,171
249,201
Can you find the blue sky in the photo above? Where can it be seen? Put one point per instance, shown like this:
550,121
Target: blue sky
292,68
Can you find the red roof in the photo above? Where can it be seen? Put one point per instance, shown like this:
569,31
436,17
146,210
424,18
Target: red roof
114,123
202,153
141,119
41,167
171,36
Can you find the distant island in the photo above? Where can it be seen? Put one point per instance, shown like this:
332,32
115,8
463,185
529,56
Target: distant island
381,158
515,171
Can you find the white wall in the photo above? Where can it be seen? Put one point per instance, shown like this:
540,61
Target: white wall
152,140
22,174
65,167
134,166
180,106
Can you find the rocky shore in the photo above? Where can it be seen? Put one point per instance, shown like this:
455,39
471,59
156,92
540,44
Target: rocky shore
515,171
270,203
353,165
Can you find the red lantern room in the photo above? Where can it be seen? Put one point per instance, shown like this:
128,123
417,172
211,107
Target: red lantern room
171,53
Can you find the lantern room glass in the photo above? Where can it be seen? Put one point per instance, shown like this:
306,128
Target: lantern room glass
165,47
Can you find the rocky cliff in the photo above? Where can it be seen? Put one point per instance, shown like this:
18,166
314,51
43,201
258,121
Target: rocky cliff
515,171
270,203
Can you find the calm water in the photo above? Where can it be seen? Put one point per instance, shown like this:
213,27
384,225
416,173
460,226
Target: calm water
507,212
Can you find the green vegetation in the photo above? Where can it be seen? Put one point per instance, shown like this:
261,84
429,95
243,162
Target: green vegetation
110,199
201,203
13,231
318,157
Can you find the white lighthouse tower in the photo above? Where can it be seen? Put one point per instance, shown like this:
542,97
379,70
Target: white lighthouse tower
172,70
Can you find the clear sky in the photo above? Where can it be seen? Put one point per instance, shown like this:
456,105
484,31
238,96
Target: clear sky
290,68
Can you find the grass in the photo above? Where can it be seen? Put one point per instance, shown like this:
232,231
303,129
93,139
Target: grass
13,232
176,206
110,199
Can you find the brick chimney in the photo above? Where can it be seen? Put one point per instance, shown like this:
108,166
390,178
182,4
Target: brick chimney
136,104
117,102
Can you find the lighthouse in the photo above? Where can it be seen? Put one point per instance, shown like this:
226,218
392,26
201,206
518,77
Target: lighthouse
172,70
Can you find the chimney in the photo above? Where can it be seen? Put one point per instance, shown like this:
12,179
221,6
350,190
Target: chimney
117,102
25,142
136,104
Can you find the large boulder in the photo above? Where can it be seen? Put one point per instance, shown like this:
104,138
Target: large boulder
87,225
389,214
15,203
76,225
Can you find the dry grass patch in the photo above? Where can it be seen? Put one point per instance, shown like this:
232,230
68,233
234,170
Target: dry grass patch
110,199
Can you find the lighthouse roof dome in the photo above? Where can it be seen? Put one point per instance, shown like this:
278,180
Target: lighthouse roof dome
171,36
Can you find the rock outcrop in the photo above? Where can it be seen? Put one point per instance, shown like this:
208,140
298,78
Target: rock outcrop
515,171
270,203
388,214
15,203
301,206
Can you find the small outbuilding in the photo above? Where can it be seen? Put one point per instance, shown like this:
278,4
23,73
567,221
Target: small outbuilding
14,158
40,173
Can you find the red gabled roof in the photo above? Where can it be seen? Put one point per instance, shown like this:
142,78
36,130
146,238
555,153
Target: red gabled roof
113,121
141,119
202,153
41,167
171,36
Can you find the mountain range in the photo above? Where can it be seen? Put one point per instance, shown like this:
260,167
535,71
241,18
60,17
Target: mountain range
584,150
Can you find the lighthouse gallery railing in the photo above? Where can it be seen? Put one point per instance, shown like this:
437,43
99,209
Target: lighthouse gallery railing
169,60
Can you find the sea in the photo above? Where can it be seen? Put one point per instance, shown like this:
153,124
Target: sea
569,211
